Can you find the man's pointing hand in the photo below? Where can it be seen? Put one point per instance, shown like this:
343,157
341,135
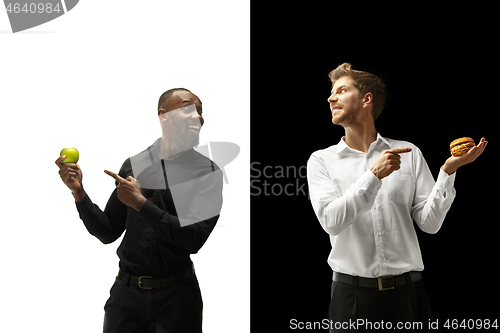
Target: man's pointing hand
128,191
388,161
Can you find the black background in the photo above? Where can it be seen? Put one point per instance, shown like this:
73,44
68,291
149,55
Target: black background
440,67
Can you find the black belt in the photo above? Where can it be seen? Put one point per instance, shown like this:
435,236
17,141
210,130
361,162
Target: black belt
382,283
147,282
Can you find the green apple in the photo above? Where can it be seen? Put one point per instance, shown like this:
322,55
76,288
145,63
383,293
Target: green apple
72,155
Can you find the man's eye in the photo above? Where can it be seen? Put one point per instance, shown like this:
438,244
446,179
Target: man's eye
342,91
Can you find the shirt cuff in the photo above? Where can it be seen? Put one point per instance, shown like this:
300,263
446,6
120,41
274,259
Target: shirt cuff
86,203
150,212
368,181
445,180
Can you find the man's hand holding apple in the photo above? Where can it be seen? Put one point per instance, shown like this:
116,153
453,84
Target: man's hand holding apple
129,191
72,176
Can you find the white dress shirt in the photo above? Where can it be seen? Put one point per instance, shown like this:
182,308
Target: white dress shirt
370,221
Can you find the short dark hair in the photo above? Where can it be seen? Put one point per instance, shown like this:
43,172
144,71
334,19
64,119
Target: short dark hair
167,95
365,82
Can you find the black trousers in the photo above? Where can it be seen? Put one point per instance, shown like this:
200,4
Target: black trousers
176,309
405,308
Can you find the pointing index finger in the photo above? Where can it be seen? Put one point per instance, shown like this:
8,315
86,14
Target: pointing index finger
114,175
400,150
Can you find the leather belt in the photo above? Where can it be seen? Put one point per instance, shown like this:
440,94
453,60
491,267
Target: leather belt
147,282
382,283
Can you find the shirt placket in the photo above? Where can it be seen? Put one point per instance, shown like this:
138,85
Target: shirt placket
378,231
160,181
378,234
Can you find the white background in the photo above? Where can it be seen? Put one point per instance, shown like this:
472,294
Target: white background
91,80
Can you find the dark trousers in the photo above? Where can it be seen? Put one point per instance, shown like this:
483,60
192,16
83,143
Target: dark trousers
405,308
176,309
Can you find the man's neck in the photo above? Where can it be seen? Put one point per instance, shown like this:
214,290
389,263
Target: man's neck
360,136
168,149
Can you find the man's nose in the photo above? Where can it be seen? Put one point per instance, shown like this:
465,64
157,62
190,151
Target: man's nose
332,98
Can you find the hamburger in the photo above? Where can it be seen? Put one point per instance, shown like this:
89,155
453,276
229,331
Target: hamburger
461,146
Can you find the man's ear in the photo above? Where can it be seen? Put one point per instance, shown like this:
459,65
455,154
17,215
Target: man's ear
368,100
162,115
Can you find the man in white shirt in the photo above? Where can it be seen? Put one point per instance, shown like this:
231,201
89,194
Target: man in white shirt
366,191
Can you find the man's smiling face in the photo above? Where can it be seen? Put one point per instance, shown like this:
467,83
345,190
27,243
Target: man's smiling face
345,102
181,117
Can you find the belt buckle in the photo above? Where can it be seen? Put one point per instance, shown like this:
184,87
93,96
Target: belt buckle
139,281
386,282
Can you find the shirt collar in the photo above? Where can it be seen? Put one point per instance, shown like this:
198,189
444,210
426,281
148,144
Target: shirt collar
381,138
342,145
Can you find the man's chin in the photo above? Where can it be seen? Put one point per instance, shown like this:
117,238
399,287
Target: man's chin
197,143
337,120
344,119
194,141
